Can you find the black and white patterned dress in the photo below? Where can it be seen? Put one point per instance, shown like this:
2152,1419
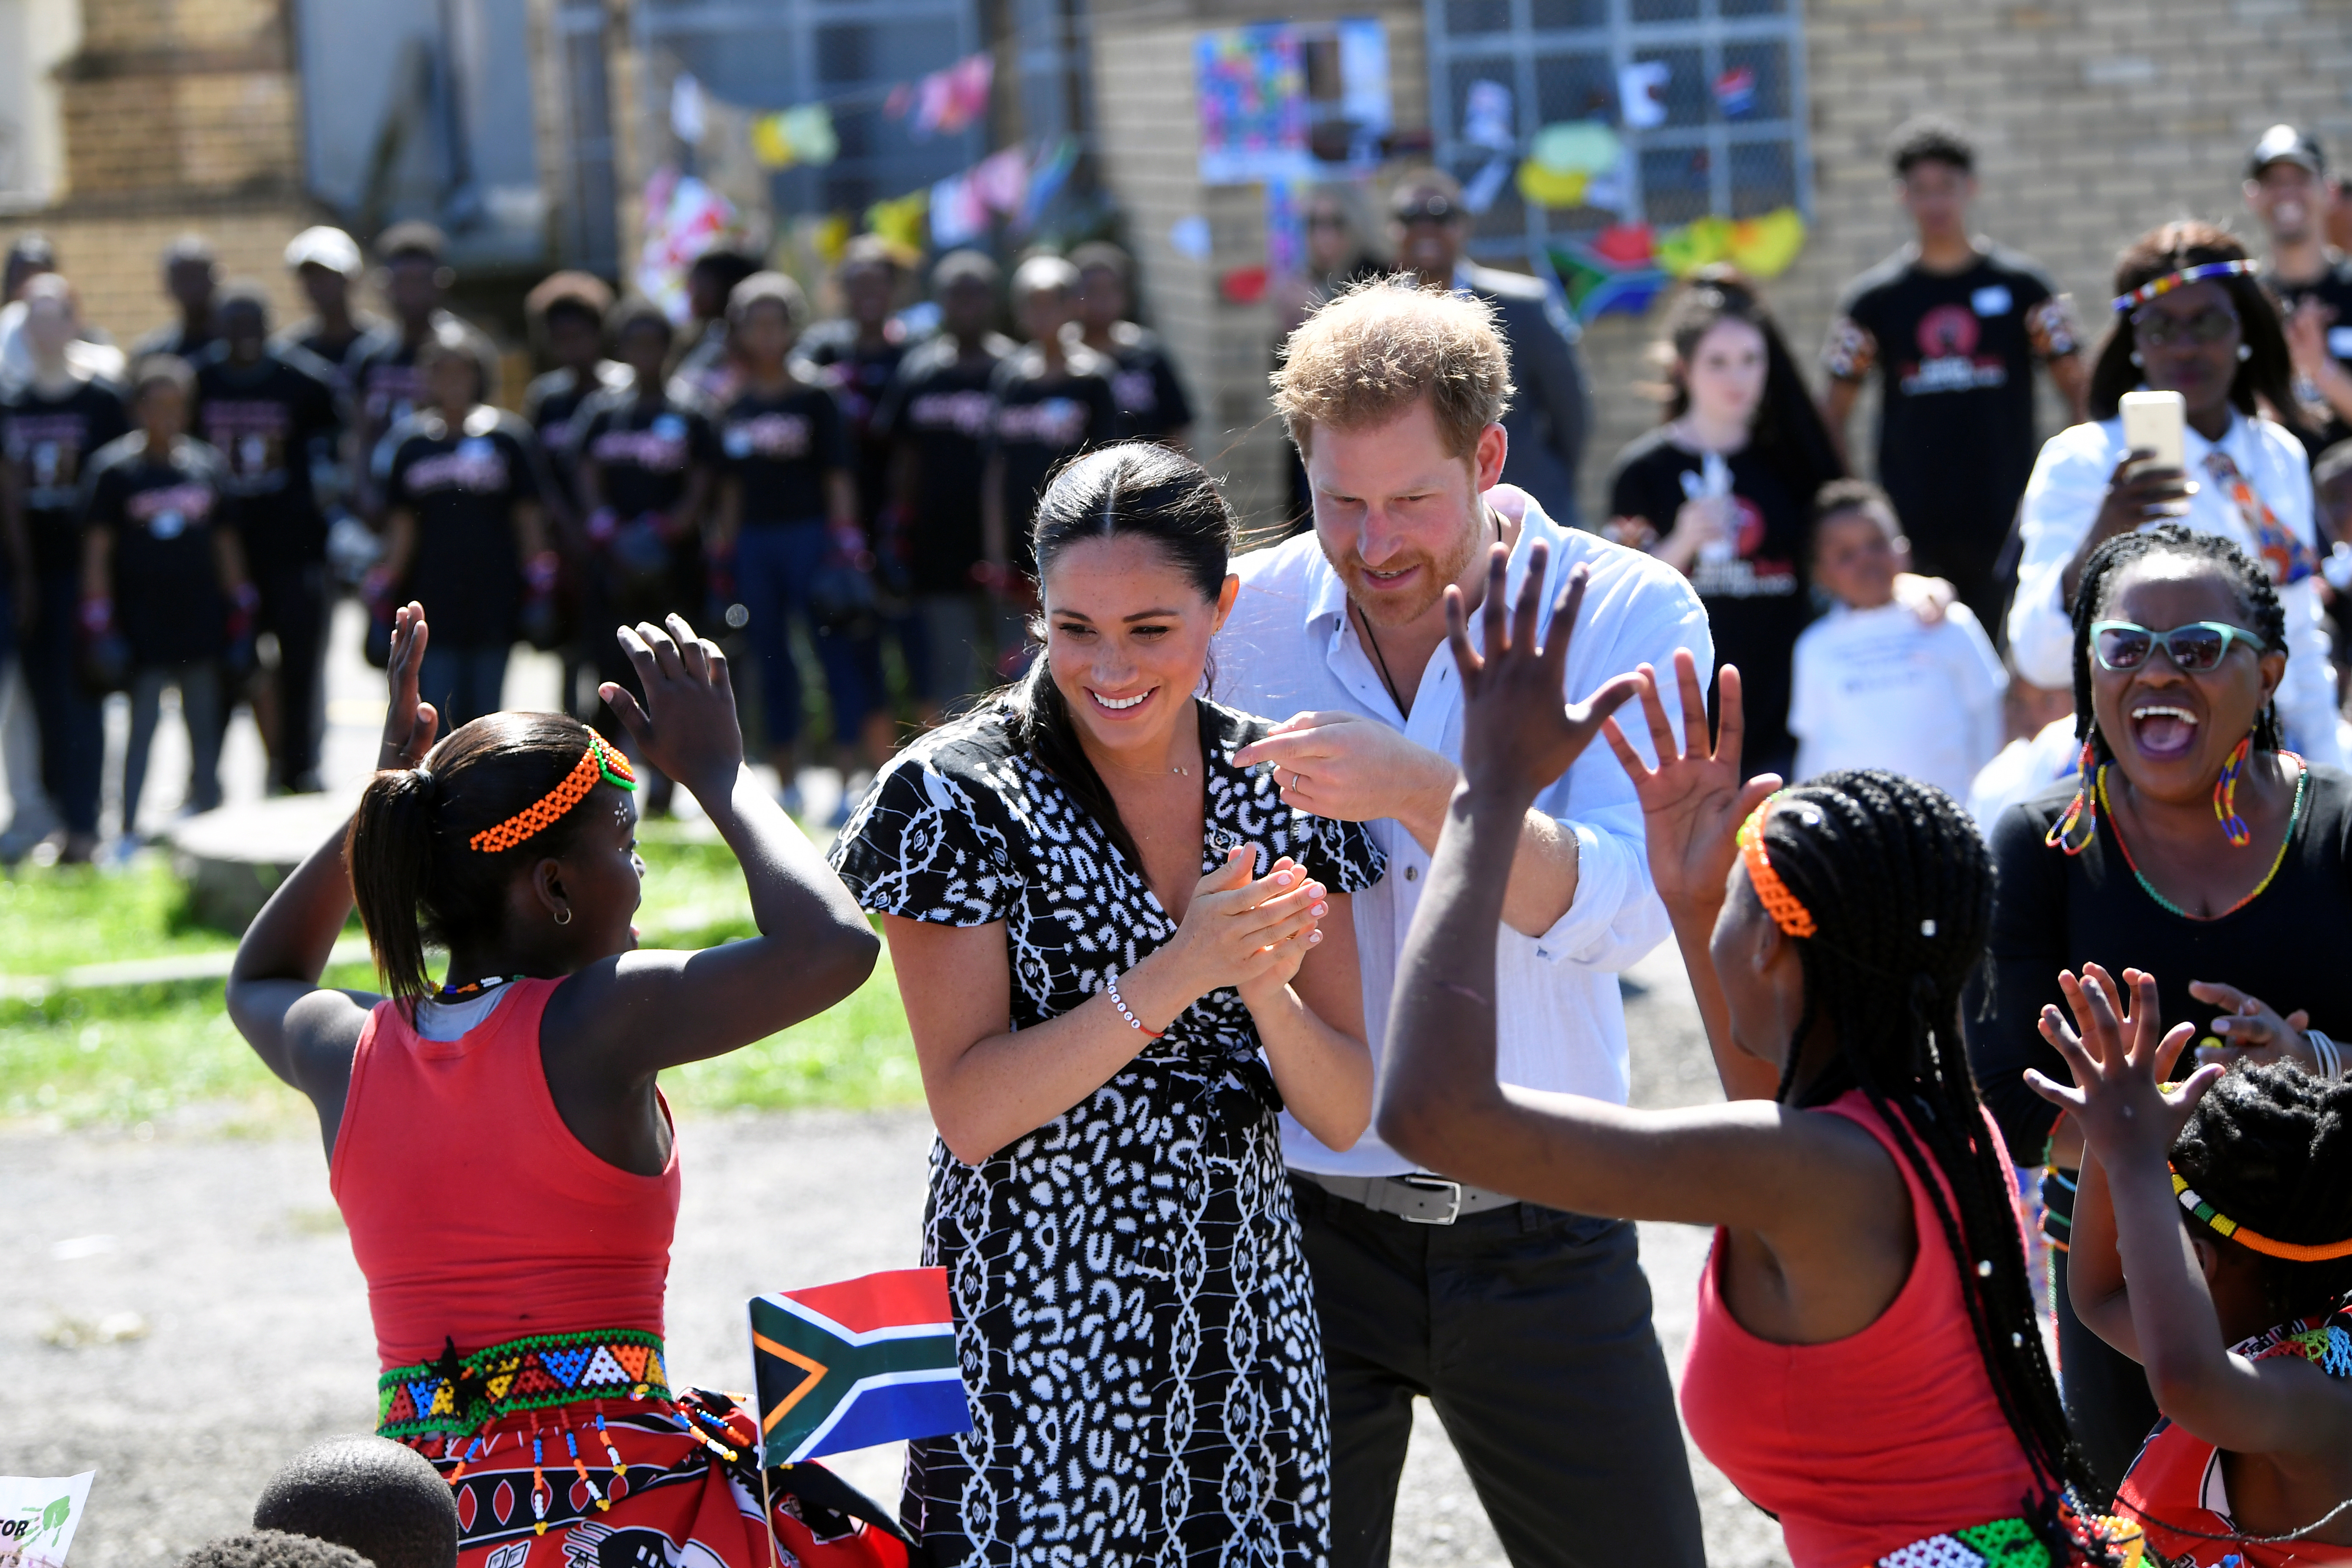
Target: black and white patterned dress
1133,1308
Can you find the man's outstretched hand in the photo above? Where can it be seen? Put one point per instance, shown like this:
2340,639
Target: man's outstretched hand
1517,736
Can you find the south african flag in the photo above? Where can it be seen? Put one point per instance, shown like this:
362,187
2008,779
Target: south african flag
850,1365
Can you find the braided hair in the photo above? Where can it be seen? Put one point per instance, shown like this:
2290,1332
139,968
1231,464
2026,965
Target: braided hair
2257,599
1900,886
2271,1146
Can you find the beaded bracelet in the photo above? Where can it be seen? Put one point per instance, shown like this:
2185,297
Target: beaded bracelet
1132,1021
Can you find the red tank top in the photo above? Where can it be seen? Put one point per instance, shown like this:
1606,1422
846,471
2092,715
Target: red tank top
1869,1443
475,1214
2177,1477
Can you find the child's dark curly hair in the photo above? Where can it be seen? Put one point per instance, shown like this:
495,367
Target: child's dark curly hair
2271,1147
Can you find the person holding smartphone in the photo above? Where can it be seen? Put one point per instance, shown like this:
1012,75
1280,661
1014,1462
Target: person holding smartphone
2190,318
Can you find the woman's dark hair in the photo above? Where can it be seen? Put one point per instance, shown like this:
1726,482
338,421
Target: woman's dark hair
775,288
1136,490
1900,887
1789,433
633,311
415,875
2265,375
2271,1147
2257,602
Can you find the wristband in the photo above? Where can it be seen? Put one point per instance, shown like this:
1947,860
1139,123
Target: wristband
2331,1056
1132,1021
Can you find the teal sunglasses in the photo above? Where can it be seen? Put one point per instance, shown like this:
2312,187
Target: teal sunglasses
2194,648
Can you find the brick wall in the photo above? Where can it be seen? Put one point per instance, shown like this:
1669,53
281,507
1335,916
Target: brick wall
1151,154
2097,119
116,267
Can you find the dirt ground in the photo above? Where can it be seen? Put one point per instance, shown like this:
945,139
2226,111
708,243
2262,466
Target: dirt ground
182,1312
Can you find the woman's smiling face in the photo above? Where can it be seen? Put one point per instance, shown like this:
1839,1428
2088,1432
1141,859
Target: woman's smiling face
2171,730
1127,638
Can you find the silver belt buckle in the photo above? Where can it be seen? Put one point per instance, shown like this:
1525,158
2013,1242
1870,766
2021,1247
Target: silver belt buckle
1421,1184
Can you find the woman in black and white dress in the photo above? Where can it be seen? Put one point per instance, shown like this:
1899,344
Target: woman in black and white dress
1121,956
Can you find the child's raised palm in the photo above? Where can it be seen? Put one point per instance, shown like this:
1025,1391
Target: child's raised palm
686,726
410,723
1693,802
2117,1061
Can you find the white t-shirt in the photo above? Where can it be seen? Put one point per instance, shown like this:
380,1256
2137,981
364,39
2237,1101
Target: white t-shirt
1876,689
2023,769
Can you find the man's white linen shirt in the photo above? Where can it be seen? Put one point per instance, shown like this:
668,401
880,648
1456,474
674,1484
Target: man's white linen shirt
1290,647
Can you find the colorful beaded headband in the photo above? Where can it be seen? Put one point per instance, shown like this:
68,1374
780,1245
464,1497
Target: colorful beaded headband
600,762
2171,281
2223,1224
1787,911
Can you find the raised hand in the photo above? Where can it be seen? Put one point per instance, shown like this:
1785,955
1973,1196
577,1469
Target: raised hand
1693,801
1516,734
2118,1060
409,724
686,726
2253,1029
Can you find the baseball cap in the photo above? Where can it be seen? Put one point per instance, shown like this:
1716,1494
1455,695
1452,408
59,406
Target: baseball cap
323,246
2284,144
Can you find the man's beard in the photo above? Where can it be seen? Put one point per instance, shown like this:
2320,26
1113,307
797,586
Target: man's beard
1387,610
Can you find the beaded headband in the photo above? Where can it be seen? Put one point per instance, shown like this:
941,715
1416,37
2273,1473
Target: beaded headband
2171,281
1783,906
599,762
2223,1224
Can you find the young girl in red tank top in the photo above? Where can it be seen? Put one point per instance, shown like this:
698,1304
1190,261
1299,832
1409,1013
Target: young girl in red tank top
499,1147
2246,1329
1866,1365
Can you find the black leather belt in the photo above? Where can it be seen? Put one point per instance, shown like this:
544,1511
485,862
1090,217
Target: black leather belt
1418,1198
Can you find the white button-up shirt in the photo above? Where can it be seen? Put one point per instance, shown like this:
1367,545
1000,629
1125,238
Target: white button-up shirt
1290,647
2062,499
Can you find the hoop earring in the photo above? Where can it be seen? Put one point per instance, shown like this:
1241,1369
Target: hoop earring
564,916
2246,353
2225,795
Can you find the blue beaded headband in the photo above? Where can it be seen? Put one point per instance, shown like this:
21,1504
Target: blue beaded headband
2171,281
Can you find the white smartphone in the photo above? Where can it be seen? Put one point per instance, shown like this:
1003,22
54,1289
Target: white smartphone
2153,421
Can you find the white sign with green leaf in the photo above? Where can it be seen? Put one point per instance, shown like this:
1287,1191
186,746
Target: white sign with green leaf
37,1516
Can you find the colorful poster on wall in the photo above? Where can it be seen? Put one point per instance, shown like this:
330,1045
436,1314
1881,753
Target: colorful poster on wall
1252,94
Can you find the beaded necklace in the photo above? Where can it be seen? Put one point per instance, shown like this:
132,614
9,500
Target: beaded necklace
475,987
2293,814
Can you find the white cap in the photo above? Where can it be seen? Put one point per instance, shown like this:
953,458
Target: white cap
323,246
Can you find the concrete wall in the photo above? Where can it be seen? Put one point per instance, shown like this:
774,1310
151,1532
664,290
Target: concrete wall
2097,119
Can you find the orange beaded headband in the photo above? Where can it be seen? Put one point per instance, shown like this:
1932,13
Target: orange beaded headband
1782,905
2223,1224
600,762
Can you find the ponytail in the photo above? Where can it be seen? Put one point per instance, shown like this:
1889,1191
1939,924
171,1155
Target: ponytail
388,848
415,874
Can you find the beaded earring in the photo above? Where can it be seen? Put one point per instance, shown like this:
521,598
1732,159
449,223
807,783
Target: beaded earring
2225,795
2081,812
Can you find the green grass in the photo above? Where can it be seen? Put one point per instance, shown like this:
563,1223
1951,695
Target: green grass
123,1055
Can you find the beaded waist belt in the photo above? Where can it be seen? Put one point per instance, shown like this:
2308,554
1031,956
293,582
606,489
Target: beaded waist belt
2012,1544
462,1393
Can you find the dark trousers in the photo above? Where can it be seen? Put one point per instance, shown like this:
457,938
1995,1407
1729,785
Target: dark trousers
73,731
294,611
2108,1405
1529,1329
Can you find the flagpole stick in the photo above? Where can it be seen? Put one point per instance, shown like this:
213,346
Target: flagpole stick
767,1507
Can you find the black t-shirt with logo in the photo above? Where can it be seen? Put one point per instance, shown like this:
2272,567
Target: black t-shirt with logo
860,378
1756,599
1955,355
269,421
555,406
778,448
1152,401
162,510
644,449
336,354
385,382
462,486
2333,290
939,405
1043,417
50,443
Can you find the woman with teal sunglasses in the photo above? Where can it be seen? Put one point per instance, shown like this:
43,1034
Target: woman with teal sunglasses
2193,844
